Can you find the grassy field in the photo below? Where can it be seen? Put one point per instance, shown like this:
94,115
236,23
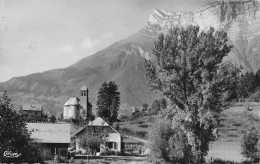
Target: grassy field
234,122
139,127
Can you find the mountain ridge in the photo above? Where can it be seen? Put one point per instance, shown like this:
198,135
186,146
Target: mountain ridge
122,61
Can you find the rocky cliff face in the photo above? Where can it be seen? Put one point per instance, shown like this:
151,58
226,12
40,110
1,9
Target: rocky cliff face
240,19
122,61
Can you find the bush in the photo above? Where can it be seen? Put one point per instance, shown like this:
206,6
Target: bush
57,159
249,145
141,134
143,126
123,117
140,122
167,143
108,152
221,161
126,131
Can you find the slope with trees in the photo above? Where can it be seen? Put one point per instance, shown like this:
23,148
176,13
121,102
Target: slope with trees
190,71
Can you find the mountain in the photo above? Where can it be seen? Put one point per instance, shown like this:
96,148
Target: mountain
240,19
122,61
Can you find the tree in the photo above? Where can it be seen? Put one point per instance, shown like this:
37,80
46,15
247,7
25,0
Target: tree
250,145
247,85
189,70
14,135
108,101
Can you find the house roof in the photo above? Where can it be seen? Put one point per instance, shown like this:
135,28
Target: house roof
50,133
98,122
32,107
72,101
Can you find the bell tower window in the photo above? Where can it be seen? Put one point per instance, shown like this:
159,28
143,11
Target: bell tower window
83,93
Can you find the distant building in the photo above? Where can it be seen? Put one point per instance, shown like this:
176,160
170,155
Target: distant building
52,138
78,107
31,110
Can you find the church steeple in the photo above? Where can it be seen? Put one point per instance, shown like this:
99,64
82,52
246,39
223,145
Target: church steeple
84,101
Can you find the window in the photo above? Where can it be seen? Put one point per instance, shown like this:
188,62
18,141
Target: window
83,93
110,145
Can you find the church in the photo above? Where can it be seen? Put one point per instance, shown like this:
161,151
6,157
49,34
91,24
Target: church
76,108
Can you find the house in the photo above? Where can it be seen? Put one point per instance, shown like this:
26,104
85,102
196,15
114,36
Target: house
53,138
31,110
77,107
114,138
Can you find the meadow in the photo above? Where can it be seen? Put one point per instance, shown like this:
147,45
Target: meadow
234,122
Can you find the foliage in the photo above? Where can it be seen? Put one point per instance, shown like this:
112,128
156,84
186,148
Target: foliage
53,119
247,85
123,117
157,106
221,161
108,101
145,107
109,152
93,138
168,144
14,135
135,115
35,118
250,145
255,96
189,71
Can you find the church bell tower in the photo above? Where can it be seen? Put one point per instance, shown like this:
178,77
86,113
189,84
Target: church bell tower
84,102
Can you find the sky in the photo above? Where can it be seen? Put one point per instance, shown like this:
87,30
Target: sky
40,35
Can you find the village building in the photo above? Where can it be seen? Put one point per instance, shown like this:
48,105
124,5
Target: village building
115,140
53,138
78,107
31,110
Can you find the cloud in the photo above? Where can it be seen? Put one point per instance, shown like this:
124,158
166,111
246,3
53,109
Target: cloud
65,48
107,36
89,44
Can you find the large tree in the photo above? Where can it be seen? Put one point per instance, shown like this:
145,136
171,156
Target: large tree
14,136
108,101
189,70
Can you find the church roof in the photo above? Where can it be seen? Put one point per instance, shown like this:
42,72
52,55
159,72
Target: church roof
72,101
84,88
